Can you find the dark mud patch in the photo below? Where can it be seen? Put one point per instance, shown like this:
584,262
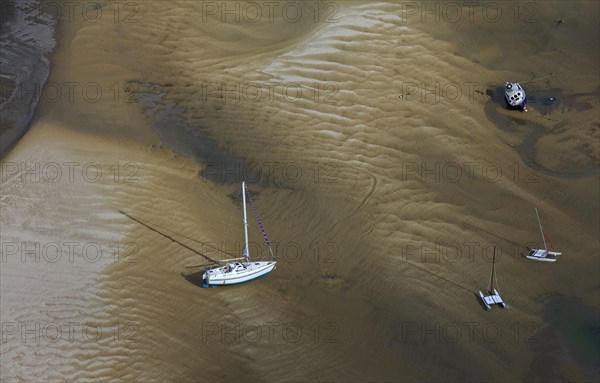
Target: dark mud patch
544,102
218,164
26,38
571,333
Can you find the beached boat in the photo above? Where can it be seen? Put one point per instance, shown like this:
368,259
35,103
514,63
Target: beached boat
542,254
246,270
493,297
515,96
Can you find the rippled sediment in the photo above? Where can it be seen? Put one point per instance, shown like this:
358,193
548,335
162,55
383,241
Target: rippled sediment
355,156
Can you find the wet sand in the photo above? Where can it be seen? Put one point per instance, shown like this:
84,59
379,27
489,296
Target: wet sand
384,199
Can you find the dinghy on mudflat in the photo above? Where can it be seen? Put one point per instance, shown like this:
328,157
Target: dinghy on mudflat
544,254
493,297
515,96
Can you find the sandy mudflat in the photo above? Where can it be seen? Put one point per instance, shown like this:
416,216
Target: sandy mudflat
384,191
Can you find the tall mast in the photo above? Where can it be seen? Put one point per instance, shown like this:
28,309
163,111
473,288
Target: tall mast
246,249
493,271
541,230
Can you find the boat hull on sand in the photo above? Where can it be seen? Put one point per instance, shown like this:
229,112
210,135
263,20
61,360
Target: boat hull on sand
236,273
515,96
493,299
542,255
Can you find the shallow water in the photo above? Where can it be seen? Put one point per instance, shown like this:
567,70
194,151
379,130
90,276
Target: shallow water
27,37
578,328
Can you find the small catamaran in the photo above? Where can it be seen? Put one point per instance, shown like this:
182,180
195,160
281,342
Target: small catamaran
239,272
493,298
542,254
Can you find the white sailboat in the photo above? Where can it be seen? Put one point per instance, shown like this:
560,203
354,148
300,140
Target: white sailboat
246,270
542,254
493,297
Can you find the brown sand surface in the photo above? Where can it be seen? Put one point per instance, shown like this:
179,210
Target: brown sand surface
383,190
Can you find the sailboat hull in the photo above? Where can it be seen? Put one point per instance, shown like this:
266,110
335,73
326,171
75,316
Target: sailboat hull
492,299
542,255
487,307
543,259
235,275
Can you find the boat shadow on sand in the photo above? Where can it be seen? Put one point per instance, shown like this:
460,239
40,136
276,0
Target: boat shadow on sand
194,278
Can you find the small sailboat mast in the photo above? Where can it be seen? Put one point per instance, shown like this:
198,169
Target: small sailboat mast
493,272
541,229
246,249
